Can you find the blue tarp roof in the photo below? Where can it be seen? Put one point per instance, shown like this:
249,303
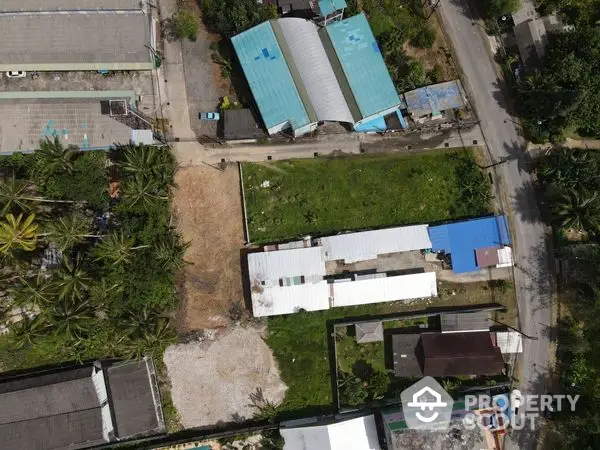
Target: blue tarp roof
434,99
326,7
363,65
269,77
461,239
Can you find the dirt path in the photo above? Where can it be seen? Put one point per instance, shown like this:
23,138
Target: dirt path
207,206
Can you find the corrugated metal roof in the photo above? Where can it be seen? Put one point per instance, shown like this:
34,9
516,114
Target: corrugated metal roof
269,77
477,321
363,65
356,434
367,245
509,341
326,7
434,99
315,71
270,266
402,287
275,300
461,239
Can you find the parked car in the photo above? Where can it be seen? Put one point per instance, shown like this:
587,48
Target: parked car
16,74
209,116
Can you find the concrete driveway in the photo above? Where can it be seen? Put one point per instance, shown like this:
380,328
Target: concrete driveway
532,241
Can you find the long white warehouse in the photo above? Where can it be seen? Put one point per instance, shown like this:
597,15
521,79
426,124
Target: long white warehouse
295,278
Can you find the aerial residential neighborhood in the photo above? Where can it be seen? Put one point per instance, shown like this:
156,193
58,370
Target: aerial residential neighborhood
299,224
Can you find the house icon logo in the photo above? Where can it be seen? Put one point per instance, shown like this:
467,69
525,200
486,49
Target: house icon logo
426,405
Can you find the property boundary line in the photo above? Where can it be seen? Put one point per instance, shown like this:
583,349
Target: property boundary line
246,229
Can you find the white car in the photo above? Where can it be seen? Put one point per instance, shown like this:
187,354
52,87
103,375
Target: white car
16,74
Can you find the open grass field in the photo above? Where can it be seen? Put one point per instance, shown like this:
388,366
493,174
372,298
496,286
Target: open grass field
293,198
299,341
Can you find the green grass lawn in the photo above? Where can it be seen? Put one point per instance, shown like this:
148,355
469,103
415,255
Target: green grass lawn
299,341
329,195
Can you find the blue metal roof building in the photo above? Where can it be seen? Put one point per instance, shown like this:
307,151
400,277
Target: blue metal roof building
363,66
461,239
434,99
327,7
269,78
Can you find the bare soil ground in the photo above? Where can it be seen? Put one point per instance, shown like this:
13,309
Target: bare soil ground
208,209
212,381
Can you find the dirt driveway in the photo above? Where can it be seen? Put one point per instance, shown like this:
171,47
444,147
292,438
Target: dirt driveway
207,206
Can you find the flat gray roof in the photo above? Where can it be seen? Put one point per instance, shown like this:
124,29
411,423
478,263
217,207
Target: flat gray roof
77,121
75,41
64,5
406,355
476,321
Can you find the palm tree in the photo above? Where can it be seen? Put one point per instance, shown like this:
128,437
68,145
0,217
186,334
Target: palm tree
116,249
72,281
70,315
18,233
579,210
151,337
37,291
69,231
27,330
170,252
54,157
16,193
148,191
140,160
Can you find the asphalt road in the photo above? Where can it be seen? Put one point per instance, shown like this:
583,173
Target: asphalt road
532,243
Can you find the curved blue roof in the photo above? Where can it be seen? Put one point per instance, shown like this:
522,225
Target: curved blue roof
363,65
269,77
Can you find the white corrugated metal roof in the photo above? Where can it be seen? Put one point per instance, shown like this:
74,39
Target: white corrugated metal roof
402,287
355,434
505,258
270,266
271,301
317,75
509,342
365,245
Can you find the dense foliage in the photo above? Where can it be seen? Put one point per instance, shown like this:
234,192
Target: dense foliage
496,8
92,274
183,24
565,93
571,184
230,17
571,187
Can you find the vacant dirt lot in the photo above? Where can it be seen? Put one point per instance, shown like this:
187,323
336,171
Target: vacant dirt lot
212,381
208,209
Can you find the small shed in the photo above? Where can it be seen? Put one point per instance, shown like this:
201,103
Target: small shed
239,124
476,321
368,332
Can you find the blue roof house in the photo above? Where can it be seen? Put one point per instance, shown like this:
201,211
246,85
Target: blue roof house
462,239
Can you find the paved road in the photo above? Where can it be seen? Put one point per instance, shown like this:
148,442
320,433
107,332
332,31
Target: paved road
532,243
191,153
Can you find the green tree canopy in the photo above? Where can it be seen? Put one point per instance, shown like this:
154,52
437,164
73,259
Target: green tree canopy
230,17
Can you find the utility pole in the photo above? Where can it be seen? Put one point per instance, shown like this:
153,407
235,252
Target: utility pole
433,8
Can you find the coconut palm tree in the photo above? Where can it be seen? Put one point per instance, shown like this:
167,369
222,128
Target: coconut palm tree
140,160
579,210
72,281
18,233
16,194
170,252
27,330
69,231
152,336
54,157
116,249
38,291
145,191
70,315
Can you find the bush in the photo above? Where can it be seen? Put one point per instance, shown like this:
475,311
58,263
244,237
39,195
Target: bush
183,24
424,38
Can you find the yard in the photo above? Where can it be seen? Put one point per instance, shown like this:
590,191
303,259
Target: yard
293,198
299,341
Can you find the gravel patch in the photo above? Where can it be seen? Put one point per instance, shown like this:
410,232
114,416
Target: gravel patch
456,438
211,382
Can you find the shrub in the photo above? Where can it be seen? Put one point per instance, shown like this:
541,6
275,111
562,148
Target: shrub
183,24
424,38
